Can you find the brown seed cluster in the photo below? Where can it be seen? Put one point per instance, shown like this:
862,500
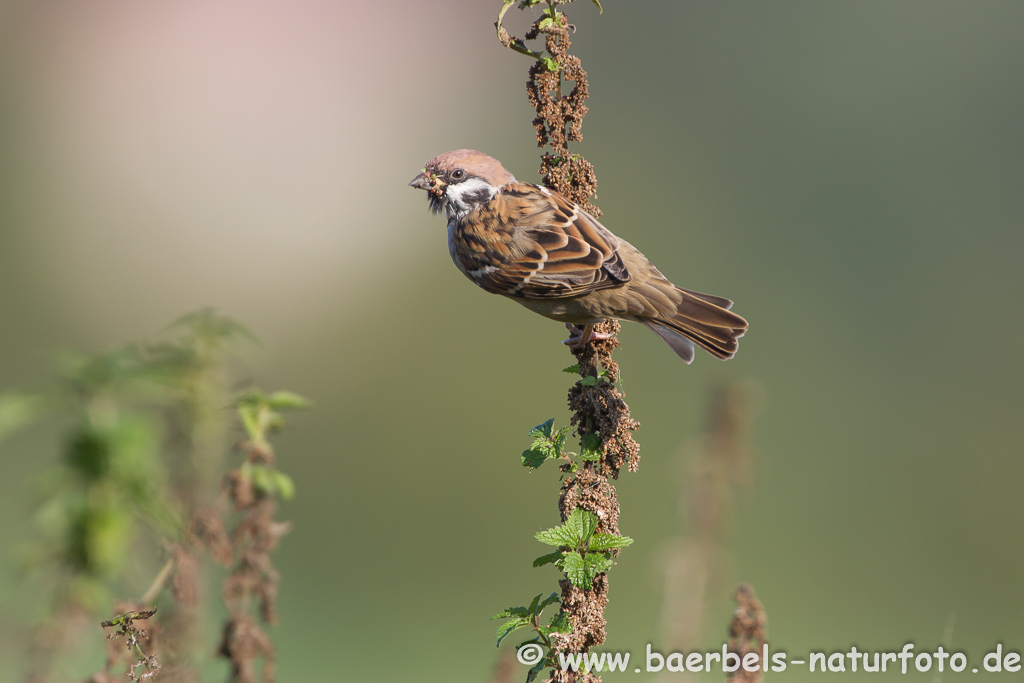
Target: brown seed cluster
747,632
559,119
600,409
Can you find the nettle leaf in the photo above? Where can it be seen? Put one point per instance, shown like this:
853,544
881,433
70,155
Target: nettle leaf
550,63
287,400
572,369
557,536
284,484
594,564
534,671
581,524
534,457
250,415
550,558
575,570
534,603
510,626
543,430
560,623
512,612
589,381
562,434
608,542
550,600
590,447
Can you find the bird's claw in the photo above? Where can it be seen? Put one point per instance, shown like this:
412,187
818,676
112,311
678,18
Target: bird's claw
582,337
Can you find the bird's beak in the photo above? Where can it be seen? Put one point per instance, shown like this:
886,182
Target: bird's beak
421,182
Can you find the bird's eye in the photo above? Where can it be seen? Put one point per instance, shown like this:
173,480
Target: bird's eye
458,174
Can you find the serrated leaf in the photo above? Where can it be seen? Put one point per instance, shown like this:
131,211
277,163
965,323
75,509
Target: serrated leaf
572,369
594,564
287,400
533,458
561,435
534,671
545,22
590,447
560,623
512,612
543,429
589,381
550,63
533,603
548,559
508,627
551,599
557,536
600,542
575,570
581,524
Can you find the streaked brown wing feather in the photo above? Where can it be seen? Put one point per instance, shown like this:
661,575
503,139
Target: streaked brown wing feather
544,247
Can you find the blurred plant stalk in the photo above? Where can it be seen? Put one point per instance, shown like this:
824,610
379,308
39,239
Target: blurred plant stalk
713,467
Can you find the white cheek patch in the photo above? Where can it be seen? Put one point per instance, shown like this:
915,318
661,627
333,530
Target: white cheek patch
469,193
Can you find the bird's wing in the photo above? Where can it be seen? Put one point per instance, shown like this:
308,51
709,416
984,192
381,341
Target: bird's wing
545,246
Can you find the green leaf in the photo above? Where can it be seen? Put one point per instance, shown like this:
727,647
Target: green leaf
590,446
560,623
581,524
250,415
572,369
594,564
548,559
534,458
287,400
608,541
543,429
512,612
535,670
283,484
557,536
550,63
262,480
510,626
575,570
550,600
533,604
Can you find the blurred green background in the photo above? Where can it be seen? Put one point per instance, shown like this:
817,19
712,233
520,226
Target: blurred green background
852,174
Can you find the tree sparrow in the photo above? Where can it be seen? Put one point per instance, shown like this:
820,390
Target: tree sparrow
538,248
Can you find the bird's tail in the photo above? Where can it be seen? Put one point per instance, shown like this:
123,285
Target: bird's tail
700,319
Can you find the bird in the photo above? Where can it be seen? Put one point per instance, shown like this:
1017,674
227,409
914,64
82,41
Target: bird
535,246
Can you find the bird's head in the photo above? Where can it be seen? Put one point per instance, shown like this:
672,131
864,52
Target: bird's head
458,182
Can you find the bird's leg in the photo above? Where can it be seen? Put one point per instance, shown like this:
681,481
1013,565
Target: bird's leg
582,337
